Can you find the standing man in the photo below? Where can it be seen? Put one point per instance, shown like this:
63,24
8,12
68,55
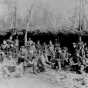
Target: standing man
16,45
30,42
51,49
58,56
10,42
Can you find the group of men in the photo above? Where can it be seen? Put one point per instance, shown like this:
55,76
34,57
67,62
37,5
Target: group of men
80,55
38,56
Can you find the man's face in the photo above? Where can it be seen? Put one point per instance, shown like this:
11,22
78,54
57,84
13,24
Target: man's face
4,42
11,38
74,45
38,42
29,39
50,42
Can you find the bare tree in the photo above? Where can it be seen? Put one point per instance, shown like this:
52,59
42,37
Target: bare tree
43,18
12,9
28,21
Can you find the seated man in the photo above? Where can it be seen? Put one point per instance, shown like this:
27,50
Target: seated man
11,68
66,56
22,55
4,46
41,62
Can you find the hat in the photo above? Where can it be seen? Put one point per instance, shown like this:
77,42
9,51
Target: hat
73,43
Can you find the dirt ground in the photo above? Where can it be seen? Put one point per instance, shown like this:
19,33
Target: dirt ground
48,79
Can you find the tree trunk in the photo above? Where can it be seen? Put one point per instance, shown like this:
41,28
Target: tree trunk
25,37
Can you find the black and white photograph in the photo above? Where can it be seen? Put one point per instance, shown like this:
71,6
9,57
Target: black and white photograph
43,43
